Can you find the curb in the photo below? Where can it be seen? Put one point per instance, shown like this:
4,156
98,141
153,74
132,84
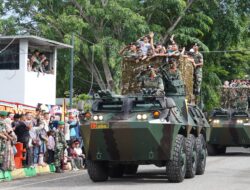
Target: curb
26,172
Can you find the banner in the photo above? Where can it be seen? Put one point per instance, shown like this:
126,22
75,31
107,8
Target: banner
15,107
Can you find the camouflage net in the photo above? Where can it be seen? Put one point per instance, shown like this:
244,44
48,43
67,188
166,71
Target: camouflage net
187,72
130,69
234,97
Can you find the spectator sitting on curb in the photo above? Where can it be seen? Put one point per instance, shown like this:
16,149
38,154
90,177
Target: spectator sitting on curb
74,156
79,153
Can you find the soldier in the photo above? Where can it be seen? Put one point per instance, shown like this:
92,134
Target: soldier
60,145
197,62
150,79
172,69
241,103
3,136
132,52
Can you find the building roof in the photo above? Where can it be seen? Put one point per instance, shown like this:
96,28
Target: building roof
38,41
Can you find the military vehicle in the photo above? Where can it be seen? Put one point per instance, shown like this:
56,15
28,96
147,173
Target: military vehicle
230,124
122,132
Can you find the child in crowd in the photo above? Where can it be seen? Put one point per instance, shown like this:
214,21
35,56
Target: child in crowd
51,147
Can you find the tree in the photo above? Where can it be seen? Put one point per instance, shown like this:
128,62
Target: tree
102,27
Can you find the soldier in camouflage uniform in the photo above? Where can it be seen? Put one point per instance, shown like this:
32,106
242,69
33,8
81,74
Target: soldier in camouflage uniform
241,104
198,64
60,146
131,52
151,80
3,136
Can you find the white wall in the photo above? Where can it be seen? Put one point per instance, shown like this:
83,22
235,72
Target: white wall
12,81
39,88
26,87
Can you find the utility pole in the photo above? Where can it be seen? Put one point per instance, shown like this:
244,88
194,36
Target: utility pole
71,72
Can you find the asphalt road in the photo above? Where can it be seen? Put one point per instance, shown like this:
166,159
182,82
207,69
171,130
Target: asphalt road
229,172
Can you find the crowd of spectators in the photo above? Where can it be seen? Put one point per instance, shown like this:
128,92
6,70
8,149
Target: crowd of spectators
41,135
237,83
38,62
145,49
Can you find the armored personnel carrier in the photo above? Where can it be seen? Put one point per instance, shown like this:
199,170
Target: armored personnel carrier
230,123
143,127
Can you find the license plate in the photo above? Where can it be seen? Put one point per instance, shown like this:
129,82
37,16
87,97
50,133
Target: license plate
99,126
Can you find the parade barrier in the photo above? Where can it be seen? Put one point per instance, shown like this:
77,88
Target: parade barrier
26,172
19,157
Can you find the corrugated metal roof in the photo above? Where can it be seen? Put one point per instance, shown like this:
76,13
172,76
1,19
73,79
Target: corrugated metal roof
39,41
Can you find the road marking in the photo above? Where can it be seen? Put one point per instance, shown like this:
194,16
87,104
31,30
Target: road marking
44,181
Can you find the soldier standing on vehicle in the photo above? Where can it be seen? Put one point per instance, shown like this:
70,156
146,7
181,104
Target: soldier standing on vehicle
197,62
60,145
131,52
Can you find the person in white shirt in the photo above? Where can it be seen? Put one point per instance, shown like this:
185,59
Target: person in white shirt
51,147
79,153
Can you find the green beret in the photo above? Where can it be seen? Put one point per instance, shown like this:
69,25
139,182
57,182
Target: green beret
3,113
60,122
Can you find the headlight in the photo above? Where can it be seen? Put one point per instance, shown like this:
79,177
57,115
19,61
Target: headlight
100,117
139,116
216,121
239,121
144,116
95,117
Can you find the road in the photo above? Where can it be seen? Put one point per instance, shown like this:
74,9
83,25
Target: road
229,172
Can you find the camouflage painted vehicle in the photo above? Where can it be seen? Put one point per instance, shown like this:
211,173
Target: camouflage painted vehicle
124,131
230,124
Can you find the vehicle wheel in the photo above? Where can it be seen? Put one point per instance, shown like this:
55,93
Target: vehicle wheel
176,167
201,154
191,153
98,171
131,169
116,171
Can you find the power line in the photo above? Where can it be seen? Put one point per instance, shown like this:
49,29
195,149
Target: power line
226,51
1,51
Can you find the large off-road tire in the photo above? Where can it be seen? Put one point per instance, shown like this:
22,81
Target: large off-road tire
116,171
176,167
131,169
191,153
201,154
98,171
214,150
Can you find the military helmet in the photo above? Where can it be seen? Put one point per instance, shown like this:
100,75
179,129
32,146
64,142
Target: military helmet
3,113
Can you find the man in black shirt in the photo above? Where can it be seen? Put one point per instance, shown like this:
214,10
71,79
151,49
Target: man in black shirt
23,136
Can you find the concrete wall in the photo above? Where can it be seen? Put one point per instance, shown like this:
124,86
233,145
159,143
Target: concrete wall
26,87
39,88
12,81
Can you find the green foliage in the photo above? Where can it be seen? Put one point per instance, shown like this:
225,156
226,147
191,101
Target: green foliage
102,29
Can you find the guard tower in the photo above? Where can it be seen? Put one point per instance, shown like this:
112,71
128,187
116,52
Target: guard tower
19,82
